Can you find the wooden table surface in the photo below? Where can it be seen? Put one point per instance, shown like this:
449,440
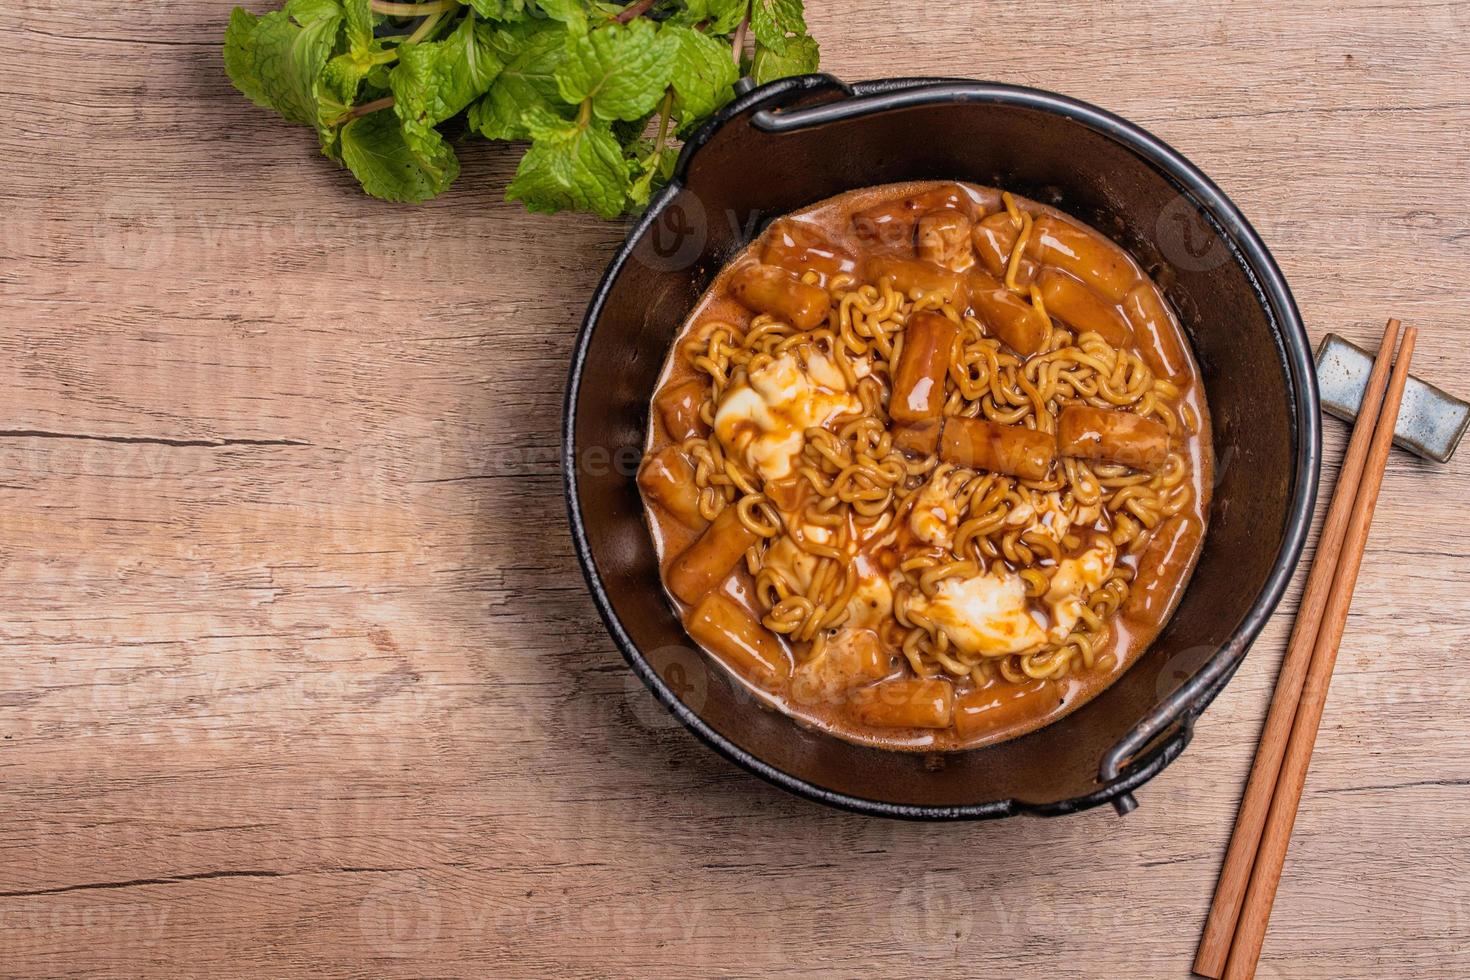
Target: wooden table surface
298,672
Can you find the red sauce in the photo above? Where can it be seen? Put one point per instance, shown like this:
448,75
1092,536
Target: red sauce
838,237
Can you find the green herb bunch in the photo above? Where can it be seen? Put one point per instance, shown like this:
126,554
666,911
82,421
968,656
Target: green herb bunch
601,90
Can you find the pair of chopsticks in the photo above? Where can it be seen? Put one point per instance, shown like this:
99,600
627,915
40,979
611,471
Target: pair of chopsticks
1236,927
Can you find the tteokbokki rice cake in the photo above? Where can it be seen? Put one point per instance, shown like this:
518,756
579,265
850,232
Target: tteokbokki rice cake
928,465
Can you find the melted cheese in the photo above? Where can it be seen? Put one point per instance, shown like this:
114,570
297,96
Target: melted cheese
764,415
1044,513
872,600
1073,581
985,615
988,615
795,565
935,514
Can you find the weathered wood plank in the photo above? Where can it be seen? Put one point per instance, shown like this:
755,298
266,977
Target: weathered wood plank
296,669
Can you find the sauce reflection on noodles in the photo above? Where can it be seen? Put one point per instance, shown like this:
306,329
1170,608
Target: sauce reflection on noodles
928,465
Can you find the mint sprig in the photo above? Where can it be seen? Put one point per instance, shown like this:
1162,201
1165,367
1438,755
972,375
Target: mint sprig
602,90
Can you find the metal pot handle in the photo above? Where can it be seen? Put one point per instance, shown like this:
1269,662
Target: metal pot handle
868,98
1179,710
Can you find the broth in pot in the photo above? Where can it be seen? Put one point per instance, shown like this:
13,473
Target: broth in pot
927,466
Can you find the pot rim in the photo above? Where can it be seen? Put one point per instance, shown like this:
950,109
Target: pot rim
1142,753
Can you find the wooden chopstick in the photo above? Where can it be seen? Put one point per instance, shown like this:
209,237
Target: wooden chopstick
1266,875
1214,946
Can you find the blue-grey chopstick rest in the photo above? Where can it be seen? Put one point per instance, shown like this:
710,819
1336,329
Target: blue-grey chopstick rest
1431,421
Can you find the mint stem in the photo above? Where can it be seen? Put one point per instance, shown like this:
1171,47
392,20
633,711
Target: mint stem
412,9
737,47
633,11
663,125
357,112
422,31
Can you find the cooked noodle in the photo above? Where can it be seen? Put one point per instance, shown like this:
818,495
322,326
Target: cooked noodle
928,466
858,479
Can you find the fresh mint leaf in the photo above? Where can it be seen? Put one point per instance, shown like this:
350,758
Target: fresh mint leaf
657,159
341,78
277,60
801,56
568,74
621,70
498,9
572,13
653,171
572,166
358,21
771,21
240,57
525,91
375,149
378,79
306,12
344,73
436,80
435,155
717,16
641,190
337,88
726,15
335,96
703,74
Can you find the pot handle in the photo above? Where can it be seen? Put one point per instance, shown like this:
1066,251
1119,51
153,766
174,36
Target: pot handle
1179,711
868,97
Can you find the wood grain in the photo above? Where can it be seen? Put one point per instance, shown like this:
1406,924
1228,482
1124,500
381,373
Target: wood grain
298,674
1239,863
1265,879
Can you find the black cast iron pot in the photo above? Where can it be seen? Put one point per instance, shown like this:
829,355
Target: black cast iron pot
799,140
